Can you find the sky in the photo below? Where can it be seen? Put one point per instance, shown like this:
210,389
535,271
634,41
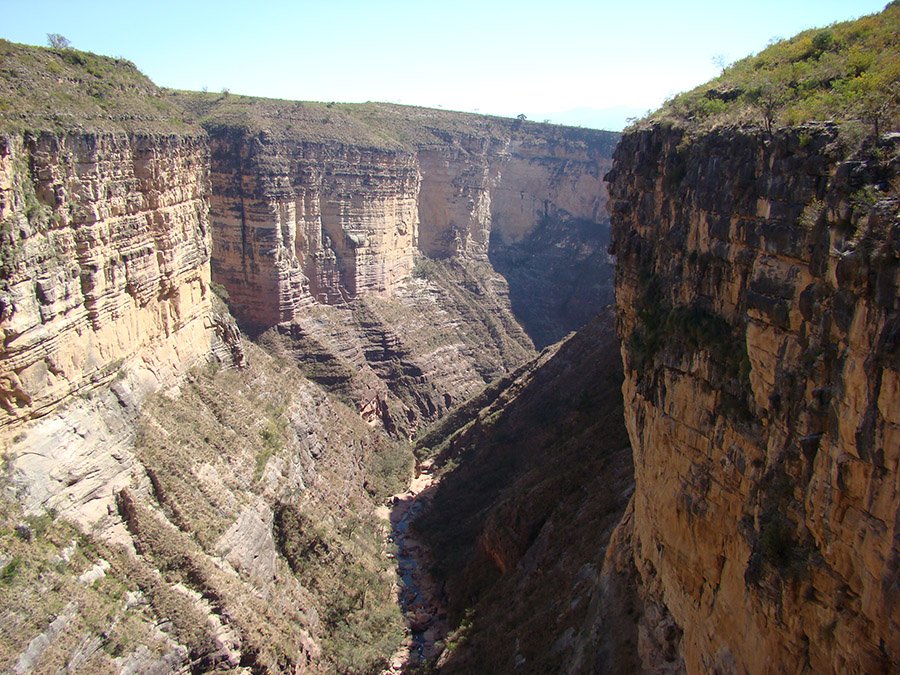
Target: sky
590,63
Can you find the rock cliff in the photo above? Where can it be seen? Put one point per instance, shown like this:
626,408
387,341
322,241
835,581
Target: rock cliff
105,230
340,224
757,306
757,294
332,202
106,260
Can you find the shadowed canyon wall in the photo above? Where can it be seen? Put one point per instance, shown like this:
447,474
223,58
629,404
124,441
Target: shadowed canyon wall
757,295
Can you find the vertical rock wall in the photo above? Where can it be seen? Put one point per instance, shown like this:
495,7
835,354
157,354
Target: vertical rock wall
757,292
459,178
297,221
321,212
105,255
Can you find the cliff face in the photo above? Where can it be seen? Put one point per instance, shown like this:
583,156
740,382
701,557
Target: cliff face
325,204
469,228
297,221
757,295
530,199
105,260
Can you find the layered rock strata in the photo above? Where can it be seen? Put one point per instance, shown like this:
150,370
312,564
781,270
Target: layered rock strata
105,261
297,221
757,293
328,203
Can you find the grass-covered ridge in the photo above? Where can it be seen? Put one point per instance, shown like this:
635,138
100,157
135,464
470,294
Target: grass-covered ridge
279,118
43,89
385,126
848,72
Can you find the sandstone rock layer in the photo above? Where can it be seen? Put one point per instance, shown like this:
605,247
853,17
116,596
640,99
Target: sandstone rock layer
105,240
757,293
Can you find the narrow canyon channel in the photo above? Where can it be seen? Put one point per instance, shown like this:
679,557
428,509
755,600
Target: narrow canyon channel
419,595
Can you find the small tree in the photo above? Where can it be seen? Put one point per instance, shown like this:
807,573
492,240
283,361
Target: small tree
719,62
769,96
57,41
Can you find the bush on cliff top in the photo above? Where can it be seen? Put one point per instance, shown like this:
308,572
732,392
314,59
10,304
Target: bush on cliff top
847,72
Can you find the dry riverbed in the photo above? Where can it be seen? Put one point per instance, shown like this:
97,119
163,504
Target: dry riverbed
420,598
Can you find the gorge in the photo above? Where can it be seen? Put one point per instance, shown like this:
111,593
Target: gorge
648,382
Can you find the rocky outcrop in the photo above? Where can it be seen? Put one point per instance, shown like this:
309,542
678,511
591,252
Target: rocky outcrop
105,241
757,292
406,359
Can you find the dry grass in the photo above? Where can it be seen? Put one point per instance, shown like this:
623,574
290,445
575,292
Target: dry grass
66,89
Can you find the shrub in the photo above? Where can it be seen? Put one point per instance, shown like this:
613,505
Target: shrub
11,570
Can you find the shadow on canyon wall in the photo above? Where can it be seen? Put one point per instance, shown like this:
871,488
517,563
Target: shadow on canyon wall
560,276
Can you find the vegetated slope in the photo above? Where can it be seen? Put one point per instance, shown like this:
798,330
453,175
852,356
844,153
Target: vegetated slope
758,300
848,72
536,474
66,89
247,538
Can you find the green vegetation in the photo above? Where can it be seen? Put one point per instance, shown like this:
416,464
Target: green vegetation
272,435
41,558
848,72
389,470
233,437
46,89
692,328
10,570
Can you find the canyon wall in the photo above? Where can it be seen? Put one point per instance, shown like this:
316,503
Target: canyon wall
757,294
531,199
158,471
328,203
296,221
106,261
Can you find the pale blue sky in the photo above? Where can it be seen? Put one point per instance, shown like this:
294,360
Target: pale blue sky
538,58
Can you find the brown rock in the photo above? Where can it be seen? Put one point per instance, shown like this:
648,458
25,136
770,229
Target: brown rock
761,398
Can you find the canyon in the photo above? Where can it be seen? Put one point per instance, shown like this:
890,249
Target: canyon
320,387
223,319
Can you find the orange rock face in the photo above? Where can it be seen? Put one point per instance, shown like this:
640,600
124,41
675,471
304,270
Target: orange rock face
105,260
758,308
